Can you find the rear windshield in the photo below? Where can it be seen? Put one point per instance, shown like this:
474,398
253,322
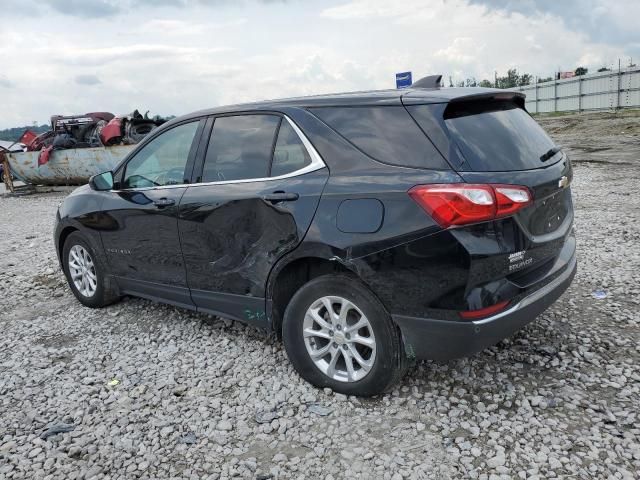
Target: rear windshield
387,134
489,136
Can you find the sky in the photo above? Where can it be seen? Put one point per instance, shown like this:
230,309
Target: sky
175,56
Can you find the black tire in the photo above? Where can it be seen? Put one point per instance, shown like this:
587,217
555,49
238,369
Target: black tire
104,292
390,362
1,176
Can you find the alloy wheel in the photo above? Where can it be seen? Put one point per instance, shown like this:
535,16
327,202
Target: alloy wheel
82,271
339,339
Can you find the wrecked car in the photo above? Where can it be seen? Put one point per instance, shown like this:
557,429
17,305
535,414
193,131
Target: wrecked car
367,230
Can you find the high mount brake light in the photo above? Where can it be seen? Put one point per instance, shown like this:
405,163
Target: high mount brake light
464,203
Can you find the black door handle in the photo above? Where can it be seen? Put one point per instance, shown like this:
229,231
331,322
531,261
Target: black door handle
277,197
164,202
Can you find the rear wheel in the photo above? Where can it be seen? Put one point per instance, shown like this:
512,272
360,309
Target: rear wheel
337,334
85,274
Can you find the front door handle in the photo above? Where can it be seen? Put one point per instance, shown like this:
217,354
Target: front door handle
164,202
277,197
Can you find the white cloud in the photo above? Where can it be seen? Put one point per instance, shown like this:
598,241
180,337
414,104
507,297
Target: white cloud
175,60
463,51
72,55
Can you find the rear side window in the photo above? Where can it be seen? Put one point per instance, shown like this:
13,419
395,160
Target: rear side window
290,154
494,136
387,134
240,147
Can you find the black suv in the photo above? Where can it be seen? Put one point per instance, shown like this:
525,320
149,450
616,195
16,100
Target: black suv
366,229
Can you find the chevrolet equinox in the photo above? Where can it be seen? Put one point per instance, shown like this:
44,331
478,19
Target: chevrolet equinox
367,230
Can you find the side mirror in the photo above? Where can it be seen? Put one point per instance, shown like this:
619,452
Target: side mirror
102,181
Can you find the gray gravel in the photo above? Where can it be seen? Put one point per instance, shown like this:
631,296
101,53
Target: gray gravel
140,390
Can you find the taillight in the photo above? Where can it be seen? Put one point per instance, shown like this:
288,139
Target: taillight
510,199
464,203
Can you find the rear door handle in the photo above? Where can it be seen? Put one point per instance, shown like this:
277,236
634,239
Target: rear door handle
164,202
277,197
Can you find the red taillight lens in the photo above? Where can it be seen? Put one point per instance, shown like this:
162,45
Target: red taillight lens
463,203
510,199
483,312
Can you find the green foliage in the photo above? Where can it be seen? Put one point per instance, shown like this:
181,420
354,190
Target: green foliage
547,79
13,134
604,69
485,84
513,79
581,71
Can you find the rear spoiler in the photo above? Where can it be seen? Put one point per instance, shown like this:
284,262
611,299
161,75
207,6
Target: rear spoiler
483,102
504,96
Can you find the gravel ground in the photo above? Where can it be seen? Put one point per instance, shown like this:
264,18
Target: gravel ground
140,390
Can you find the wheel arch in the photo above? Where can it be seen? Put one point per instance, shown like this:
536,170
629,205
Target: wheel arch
62,238
291,273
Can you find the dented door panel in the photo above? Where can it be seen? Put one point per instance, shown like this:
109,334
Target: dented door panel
232,235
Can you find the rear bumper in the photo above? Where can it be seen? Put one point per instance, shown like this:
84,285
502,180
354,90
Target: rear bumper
445,340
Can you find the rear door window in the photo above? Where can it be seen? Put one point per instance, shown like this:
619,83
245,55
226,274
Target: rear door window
290,154
240,148
493,136
387,134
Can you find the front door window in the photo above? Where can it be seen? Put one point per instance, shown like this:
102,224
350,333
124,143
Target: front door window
163,160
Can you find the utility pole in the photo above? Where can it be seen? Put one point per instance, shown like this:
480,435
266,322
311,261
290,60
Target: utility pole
495,76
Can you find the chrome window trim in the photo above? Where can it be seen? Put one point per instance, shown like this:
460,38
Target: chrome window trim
316,164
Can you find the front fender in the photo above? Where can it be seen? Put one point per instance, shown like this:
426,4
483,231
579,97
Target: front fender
80,212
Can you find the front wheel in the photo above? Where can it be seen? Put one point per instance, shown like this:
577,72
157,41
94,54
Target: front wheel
85,274
337,334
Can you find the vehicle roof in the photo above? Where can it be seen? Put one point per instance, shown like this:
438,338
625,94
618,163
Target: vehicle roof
371,97
390,97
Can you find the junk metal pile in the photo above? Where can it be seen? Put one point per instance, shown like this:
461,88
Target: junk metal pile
94,129
141,390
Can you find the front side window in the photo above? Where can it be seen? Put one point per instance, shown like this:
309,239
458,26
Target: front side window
163,160
290,153
240,148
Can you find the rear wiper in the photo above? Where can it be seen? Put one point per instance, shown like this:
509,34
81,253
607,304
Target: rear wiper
549,154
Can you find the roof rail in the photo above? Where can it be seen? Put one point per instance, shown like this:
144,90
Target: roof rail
431,81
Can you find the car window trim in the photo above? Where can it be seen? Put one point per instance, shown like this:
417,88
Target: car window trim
317,163
273,147
121,171
203,147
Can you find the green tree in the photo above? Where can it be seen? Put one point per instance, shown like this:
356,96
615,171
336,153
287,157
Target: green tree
604,69
514,79
525,79
13,134
581,71
486,84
